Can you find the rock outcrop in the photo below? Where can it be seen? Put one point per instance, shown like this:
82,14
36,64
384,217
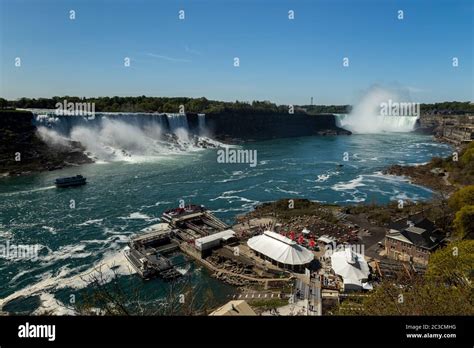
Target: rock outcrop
22,151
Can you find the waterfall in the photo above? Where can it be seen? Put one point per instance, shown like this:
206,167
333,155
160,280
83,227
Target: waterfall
177,121
381,110
124,136
64,124
202,123
376,123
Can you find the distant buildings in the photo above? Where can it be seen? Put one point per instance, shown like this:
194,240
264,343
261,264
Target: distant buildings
459,134
281,251
413,239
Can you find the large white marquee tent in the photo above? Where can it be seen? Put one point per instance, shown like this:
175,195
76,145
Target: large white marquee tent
281,250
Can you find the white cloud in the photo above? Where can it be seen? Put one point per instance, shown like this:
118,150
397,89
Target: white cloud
168,58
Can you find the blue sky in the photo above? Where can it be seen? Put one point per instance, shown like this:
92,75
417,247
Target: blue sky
282,60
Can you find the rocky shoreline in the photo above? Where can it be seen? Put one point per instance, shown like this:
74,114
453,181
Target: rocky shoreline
424,175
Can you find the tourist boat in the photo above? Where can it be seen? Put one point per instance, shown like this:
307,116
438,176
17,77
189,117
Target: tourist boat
77,180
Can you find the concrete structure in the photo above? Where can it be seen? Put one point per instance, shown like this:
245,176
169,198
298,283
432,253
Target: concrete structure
459,134
412,239
281,251
234,308
214,240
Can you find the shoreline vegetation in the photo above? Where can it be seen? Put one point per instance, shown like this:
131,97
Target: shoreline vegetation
444,175
445,288
447,282
234,122
204,105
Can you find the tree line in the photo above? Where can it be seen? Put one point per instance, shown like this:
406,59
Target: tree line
204,105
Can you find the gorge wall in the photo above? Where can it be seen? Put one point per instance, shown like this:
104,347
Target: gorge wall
46,141
22,151
254,126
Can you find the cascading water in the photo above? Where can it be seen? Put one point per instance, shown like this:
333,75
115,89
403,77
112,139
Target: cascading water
202,123
366,116
176,121
124,136
377,124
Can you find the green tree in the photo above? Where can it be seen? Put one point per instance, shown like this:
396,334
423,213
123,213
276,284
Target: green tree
464,222
445,289
453,264
468,155
462,197
3,103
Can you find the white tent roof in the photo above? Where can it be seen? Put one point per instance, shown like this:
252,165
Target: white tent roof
280,248
351,266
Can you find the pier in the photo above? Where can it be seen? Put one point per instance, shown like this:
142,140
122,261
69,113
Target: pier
147,252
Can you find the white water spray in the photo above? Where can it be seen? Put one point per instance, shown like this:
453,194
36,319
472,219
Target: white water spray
131,139
366,117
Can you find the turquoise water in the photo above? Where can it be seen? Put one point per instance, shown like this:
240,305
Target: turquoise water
123,197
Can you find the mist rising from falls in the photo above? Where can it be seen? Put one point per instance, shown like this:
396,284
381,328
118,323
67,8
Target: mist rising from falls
126,137
366,116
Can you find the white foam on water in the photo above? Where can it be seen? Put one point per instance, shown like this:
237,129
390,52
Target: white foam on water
30,252
232,199
110,263
18,276
351,185
65,253
239,175
139,216
288,191
52,306
49,229
7,194
91,222
322,178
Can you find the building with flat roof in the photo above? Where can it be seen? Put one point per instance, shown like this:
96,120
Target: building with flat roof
212,241
281,251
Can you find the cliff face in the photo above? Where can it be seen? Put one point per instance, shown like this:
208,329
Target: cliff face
22,151
253,126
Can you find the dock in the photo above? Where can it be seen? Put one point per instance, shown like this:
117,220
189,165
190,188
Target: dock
147,252
181,227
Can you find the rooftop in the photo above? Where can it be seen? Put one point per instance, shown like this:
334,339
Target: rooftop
351,266
280,249
416,230
238,307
